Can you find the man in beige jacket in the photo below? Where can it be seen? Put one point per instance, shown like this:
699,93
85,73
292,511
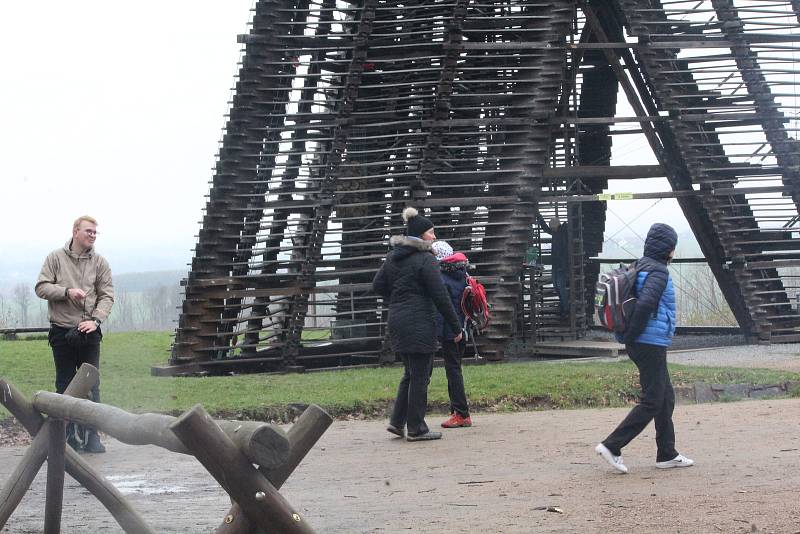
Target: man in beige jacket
76,282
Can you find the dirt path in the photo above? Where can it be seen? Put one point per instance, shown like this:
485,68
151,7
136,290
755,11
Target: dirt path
497,477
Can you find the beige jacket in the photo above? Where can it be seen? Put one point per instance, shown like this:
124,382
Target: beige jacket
64,269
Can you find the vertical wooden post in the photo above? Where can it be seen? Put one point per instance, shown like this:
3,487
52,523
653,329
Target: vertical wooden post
258,498
54,496
303,435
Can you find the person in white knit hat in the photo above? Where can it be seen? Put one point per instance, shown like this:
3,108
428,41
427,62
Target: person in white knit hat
453,267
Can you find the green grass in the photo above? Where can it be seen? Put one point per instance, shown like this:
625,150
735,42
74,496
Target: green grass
126,359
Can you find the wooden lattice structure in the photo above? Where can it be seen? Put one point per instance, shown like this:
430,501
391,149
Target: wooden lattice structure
250,460
482,113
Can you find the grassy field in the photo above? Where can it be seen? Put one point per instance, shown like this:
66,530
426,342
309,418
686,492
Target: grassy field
126,359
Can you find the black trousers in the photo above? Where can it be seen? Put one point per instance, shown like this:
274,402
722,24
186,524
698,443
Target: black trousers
657,403
68,358
412,393
452,353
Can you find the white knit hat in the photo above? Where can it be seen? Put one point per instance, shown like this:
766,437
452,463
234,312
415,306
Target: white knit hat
441,250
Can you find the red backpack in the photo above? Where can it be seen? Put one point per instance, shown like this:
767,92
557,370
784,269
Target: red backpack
475,306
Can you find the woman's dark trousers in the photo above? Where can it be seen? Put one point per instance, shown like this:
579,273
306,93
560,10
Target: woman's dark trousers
412,394
452,353
657,403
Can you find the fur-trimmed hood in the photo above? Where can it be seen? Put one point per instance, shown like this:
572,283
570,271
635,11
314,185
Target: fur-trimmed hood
405,241
406,246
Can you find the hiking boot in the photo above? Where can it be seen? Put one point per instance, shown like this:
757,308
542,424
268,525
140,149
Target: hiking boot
457,421
427,436
614,461
93,443
678,461
72,438
74,443
399,432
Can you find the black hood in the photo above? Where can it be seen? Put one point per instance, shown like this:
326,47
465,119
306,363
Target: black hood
661,240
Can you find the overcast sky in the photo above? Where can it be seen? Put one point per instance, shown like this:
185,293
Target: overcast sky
115,109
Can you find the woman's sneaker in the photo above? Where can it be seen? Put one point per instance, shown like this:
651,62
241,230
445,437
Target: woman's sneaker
678,461
457,421
614,461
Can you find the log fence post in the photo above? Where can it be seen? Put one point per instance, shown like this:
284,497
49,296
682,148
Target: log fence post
263,444
303,435
16,403
54,495
235,473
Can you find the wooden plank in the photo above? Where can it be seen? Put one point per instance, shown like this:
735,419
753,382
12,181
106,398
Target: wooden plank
579,349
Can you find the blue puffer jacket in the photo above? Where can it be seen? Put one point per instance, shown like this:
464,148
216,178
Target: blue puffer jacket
653,319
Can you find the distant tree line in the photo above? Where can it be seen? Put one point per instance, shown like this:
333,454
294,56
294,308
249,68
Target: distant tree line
153,308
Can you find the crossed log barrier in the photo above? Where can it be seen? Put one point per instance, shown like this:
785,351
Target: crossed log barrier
227,449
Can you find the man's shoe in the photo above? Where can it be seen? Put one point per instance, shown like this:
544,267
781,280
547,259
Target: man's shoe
678,461
427,436
399,432
614,461
93,444
456,421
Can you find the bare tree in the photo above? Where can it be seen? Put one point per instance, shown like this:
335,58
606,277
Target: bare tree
22,296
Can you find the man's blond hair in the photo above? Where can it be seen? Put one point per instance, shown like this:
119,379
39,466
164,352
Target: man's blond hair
82,218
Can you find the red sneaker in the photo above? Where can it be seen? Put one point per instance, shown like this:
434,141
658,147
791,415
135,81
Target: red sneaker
456,421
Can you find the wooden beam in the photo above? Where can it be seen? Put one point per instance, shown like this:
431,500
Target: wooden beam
54,494
126,516
606,172
303,435
262,443
21,478
235,473
44,439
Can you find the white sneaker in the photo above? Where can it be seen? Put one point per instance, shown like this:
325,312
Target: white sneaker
678,461
614,461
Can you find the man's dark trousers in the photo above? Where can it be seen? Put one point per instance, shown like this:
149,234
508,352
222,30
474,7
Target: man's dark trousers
412,394
68,358
452,352
657,403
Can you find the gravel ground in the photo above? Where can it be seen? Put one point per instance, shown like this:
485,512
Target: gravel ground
510,473
786,357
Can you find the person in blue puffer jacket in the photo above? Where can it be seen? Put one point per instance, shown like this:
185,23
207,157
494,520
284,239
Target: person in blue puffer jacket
649,333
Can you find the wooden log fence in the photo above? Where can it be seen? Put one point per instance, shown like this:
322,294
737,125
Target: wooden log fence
263,444
228,449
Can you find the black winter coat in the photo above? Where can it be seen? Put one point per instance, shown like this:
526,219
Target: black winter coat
411,282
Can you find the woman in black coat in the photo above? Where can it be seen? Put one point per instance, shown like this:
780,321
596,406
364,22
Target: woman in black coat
410,281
